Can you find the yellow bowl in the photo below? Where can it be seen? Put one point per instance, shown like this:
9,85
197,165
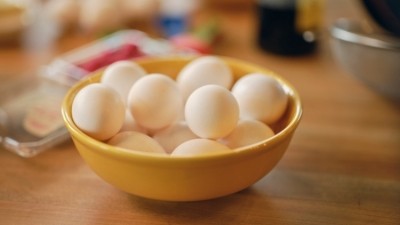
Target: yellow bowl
168,178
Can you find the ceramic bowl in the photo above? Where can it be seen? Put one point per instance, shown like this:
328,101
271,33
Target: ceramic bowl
163,177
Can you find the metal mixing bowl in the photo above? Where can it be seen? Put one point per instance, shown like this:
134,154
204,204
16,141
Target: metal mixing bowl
373,58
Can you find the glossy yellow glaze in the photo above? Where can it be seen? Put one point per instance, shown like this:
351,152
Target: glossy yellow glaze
169,178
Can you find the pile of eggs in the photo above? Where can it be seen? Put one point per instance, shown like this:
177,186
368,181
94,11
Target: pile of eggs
201,112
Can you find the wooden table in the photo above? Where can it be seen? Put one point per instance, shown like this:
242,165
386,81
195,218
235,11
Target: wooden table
342,166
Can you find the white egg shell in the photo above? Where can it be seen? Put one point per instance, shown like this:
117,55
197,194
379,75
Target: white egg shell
130,124
247,132
136,141
201,71
174,135
121,75
211,111
98,111
195,147
155,101
260,97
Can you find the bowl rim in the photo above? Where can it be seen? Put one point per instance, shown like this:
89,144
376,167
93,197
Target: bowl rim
124,154
351,31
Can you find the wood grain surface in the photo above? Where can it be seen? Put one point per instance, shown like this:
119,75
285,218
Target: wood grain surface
342,166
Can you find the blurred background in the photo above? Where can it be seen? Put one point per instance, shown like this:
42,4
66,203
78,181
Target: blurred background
42,24
45,29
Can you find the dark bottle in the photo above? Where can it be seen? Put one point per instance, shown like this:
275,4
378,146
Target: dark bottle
288,27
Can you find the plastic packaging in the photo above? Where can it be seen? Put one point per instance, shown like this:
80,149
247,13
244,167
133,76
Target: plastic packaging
30,119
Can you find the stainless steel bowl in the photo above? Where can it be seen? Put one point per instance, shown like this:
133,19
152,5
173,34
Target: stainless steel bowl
373,58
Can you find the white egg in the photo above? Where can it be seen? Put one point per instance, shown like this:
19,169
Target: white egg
211,111
130,124
155,101
121,75
199,146
174,135
136,141
260,97
247,132
98,111
201,71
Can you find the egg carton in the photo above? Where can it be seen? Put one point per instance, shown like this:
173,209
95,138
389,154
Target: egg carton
30,118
